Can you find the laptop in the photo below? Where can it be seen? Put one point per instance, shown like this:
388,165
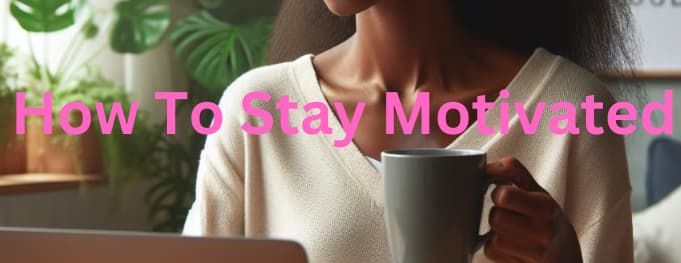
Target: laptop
21,245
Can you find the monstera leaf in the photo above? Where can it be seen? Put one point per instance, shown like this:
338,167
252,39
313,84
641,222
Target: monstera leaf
216,52
139,25
44,15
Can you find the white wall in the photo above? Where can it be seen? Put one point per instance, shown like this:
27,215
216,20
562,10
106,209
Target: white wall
658,26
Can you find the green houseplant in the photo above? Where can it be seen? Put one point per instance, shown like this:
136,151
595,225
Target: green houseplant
135,26
215,52
12,146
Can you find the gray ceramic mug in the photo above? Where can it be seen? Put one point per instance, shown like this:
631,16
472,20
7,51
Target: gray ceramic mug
433,203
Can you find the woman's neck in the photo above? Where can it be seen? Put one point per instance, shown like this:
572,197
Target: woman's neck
410,45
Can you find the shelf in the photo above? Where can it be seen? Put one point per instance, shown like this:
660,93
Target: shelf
35,183
643,75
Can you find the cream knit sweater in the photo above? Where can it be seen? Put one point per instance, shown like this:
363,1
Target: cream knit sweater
330,199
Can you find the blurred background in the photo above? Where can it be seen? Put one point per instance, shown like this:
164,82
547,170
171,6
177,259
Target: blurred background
115,51
109,51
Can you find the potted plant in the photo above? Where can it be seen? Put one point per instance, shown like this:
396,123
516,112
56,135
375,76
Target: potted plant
133,26
12,146
63,153
215,52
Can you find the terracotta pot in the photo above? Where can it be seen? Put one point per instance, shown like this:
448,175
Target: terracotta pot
61,153
12,146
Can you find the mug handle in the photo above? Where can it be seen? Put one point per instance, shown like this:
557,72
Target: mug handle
481,240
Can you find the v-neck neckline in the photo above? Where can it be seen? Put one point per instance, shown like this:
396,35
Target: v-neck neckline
521,88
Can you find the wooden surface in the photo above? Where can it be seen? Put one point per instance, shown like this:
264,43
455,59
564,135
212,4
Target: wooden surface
34,183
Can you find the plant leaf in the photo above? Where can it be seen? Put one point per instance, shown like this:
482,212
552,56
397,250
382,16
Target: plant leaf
216,52
139,25
44,15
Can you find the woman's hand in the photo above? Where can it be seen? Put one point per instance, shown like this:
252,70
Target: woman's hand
527,225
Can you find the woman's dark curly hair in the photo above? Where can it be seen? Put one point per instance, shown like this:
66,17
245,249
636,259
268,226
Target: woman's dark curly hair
596,34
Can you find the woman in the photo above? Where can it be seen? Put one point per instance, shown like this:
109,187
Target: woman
569,200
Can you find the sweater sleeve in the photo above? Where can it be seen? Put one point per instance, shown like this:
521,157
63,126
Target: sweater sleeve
610,238
218,208
599,192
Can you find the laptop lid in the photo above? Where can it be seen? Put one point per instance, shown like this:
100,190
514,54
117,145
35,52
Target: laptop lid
20,245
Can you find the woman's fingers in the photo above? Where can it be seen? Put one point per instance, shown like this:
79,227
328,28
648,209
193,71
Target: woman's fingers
532,233
497,253
512,170
504,248
509,222
531,204
524,217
